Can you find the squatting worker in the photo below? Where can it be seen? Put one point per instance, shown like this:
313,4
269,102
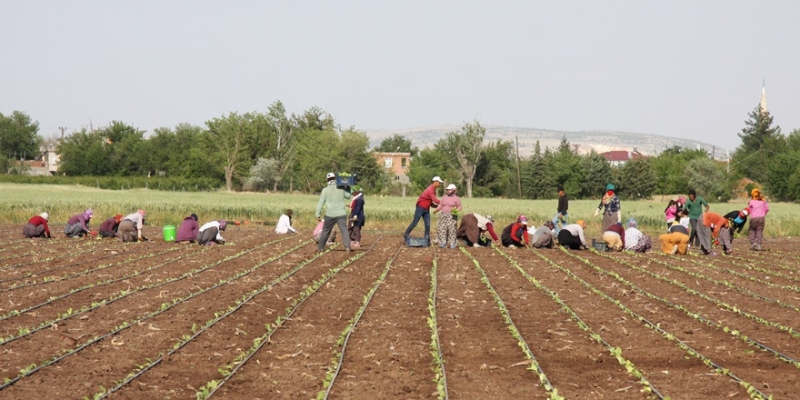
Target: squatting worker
284,224
187,232
209,233
676,240
572,236
544,236
614,237
332,200
109,227
130,229
78,225
472,229
423,209
37,226
516,234
695,207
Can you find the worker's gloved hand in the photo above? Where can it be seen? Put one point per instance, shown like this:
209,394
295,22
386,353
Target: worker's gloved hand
597,211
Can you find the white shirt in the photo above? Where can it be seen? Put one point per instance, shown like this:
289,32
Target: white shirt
576,230
685,222
284,225
213,224
136,218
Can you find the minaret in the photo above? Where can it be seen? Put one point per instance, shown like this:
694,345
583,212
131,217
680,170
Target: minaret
763,104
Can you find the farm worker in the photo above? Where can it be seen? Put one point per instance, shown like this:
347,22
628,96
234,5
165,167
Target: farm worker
209,233
37,226
681,202
614,237
472,229
612,213
711,228
684,219
516,234
187,232
424,203
284,224
357,217
130,229
332,200
78,225
671,212
544,236
676,240
635,240
758,213
695,208
108,229
449,207
561,218
572,236
736,220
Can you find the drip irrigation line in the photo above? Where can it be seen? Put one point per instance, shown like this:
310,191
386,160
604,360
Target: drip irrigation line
434,284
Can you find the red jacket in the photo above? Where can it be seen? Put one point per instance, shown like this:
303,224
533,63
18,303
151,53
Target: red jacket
427,197
717,220
38,220
516,228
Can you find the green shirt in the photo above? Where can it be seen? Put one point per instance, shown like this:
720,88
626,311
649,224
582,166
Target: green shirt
332,198
695,207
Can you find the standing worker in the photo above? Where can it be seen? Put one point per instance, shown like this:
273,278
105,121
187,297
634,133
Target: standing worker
424,203
612,212
446,226
516,234
473,227
209,233
37,226
78,225
357,217
109,227
187,232
332,200
130,229
561,217
695,207
759,208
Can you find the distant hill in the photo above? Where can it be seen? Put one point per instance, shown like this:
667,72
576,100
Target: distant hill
600,141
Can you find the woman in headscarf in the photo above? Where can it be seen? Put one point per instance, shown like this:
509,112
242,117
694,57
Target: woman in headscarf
676,240
78,225
357,217
472,229
130,229
37,226
516,234
187,233
108,229
612,213
284,224
572,236
544,236
209,233
759,208
635,240
449,206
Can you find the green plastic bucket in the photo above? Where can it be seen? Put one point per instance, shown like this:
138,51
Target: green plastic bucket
169,233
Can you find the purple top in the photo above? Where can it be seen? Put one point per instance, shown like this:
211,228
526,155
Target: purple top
83,219
188,230
448,203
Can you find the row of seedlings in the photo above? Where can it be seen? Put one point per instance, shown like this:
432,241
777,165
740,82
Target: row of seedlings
229,370
439,374
218,316
552,392
616,352
81,251
34,367
344,337
750,388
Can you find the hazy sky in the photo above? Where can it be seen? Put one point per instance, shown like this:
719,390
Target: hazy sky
690,69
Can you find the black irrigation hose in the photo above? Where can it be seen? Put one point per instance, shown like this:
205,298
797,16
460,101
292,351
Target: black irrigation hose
163,309
434,285
265,340
211,323
358,318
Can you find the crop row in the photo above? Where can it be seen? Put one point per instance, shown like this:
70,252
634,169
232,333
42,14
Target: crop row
439,375
79,252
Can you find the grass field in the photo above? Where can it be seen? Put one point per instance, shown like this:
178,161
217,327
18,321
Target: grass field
19,202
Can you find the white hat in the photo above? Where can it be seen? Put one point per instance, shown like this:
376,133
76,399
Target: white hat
45,215
437,179
330,175
451,187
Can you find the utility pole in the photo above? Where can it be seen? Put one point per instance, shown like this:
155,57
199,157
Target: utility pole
62,128
519,172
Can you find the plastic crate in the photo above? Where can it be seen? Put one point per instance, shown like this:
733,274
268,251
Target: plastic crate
345,180
417,242
599,245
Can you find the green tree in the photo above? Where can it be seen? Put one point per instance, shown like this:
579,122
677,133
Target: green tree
19,137
285,138
597,174
397,144
637,179
537,179
566,167
496,175
428,163
669,166
232,136
707,178
262,175
317,149
466,146
760,140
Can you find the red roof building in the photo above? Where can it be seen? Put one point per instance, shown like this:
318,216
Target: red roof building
620,157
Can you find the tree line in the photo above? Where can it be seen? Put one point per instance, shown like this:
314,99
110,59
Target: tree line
272,150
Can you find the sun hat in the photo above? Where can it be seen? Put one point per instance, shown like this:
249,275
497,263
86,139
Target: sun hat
330,176
437,179
451,187
522,219
610,187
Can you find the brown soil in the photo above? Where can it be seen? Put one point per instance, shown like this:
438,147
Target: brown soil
388,354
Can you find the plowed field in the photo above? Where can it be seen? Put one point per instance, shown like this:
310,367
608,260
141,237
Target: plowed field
265,316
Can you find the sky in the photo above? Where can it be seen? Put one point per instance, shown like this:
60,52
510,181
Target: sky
687,69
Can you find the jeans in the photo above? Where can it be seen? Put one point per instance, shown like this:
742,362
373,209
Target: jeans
560,222
425,214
